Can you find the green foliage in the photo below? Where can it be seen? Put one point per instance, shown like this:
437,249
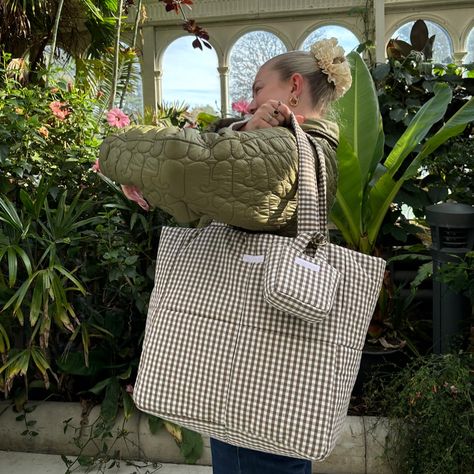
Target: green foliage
430,406
459,275
35,142
94,76
404,84
76,265
369,179
103,439
189,442
450,175
29,424
191,446
36,237
26,27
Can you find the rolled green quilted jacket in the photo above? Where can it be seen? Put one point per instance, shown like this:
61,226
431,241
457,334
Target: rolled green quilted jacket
245,179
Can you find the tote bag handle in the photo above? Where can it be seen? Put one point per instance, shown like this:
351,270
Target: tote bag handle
311,209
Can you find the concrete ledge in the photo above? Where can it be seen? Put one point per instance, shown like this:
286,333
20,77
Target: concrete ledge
359,450
26,463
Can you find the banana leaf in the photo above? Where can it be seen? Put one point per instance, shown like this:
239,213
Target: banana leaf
385,190
368,184
360,150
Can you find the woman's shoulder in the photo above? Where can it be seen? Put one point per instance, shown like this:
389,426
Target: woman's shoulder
323,128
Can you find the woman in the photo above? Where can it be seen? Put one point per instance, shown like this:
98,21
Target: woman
245,176
295,82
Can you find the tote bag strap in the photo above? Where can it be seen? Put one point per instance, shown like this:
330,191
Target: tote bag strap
311,210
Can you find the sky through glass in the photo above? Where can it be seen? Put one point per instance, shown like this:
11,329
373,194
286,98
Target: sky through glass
191,75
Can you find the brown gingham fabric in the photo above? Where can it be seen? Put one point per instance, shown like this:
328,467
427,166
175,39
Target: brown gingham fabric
219,359
298,279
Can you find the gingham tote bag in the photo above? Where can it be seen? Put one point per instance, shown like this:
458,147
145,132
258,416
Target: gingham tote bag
220,356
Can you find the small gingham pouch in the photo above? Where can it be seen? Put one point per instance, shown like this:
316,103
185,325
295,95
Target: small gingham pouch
298,279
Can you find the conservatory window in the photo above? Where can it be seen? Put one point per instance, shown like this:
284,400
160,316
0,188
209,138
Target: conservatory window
249,52
346,38
442,47
190,76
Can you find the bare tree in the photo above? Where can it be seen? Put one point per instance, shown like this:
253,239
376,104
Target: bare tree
470,47
316,35
248,54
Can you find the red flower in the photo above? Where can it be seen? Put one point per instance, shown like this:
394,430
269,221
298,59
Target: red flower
59,109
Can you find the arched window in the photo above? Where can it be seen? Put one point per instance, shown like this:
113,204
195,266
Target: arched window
469,48
345,37
442,47
133,99
63,66
97,75
249,52
190,76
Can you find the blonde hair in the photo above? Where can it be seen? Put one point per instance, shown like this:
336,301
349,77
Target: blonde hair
322,92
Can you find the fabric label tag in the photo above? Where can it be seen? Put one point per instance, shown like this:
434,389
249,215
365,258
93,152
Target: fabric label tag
252,258
304,263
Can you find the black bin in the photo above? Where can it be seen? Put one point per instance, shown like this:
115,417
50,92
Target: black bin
452,231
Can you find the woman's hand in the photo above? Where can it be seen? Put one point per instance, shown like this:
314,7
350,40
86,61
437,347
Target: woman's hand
272,113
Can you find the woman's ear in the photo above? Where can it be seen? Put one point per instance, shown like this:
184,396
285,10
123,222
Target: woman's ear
296,80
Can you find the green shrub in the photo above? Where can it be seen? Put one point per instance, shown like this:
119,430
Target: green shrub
430,405
50,132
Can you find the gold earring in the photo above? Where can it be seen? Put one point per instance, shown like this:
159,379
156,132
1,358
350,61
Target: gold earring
294,101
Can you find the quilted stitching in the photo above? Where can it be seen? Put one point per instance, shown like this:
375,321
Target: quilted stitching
245,179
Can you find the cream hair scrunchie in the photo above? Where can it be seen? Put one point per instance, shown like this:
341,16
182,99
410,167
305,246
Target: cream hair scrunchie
331,59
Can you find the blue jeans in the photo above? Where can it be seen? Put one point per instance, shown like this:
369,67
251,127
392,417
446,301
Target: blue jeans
228,459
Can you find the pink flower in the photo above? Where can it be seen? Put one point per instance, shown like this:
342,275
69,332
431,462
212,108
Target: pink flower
134,194
241,106
96,166
116,118
59,109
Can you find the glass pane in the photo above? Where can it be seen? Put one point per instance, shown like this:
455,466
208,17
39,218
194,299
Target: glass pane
248,54
63,66
345,37
190,75
133,103
442,47
470,48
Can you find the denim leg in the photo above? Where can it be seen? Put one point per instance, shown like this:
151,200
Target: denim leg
225,458
228,459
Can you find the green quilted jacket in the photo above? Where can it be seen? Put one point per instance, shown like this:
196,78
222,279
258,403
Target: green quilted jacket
245,179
